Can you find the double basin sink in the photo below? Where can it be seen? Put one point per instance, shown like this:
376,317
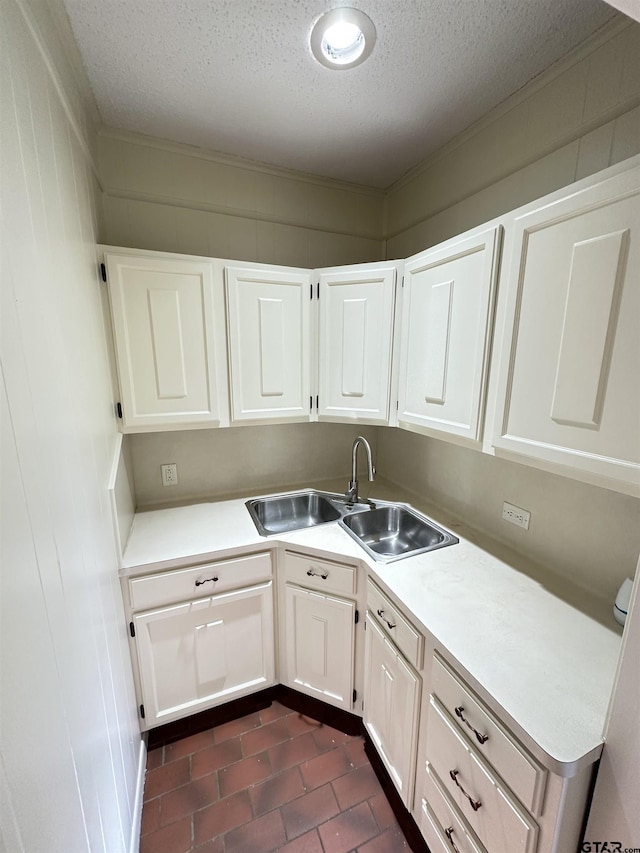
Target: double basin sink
386,531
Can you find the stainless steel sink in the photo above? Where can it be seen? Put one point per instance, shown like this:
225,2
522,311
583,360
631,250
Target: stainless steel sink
282,513
393,531
385,531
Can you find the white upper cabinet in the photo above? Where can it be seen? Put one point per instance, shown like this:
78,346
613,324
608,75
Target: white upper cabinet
169,341
569,398
447,314
270,340
356,317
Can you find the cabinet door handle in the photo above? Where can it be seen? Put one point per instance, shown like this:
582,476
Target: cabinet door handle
475,804
313,574
460,714
449,833
384,619
207,580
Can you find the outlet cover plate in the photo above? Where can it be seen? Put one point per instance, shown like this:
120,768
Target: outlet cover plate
516,515
169,474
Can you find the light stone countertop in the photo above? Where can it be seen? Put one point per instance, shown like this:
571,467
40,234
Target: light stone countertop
533,642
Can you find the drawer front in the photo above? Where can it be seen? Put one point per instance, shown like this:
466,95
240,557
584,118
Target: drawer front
520,771
488,806
323,575
441,824
396,626
206,579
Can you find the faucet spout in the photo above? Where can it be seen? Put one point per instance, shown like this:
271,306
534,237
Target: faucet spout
352,490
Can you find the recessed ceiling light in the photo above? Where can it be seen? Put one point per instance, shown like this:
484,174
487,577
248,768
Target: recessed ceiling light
342,38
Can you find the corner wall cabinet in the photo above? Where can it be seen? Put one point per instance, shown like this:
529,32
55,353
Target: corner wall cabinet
169,341
568,371
205,636
269,317
447,321
356,318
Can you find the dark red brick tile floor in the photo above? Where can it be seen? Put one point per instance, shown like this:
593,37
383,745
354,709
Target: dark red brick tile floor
273,780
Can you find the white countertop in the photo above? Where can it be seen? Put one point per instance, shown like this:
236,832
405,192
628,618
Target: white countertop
548,665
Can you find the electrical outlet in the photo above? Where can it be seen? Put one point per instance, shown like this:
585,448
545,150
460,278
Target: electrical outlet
169,474
516,515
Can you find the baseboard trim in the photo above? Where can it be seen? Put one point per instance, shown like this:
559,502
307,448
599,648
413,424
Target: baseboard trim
136,823
408,825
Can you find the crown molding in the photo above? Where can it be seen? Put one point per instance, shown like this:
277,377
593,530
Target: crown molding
610,30
236,162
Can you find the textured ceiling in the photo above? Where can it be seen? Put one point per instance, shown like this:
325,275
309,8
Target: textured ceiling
237,76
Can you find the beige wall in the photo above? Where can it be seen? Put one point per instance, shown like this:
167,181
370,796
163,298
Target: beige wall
243,460
586,534
69,738
575,119
174,198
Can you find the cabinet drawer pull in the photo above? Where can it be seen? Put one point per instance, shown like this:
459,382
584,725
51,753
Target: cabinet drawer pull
384,619
207,580
475,804
313,574
460,714
449,833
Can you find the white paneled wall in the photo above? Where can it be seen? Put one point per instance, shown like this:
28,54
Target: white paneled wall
70,746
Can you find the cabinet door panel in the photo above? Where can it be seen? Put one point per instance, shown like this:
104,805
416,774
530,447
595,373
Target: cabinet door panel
566,375
320,645
446,326
356,335
200,653
269,343
391,705
164,330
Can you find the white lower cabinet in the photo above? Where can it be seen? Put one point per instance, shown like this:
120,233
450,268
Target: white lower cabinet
479,789
391,707
199,653
319,631
320,645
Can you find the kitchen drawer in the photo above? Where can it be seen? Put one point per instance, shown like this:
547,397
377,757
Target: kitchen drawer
520,771
393,623
494,814
323,575
206,579
440,822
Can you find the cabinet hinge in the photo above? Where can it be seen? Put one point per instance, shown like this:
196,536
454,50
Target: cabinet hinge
119,410
356,617
142,711
132,629
103,272
355,694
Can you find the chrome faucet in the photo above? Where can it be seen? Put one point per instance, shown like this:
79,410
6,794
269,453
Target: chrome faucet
351,494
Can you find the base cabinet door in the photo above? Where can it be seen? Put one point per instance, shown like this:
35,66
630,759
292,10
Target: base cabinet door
198,654
320,645
391,707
